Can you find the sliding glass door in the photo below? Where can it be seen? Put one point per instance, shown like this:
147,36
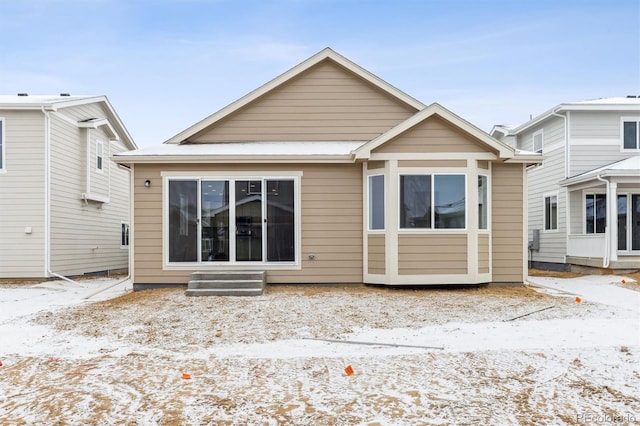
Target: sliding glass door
231,220
248,220
280,210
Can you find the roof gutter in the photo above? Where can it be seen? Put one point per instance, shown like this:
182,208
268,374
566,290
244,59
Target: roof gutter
339,158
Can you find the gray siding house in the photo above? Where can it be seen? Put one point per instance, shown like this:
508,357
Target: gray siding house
64,204
584,199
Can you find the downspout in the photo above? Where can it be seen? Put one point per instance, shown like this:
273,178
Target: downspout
607,248
47,199
566,142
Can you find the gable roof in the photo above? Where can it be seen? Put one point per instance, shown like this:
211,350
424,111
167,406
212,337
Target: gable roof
504,151
629,103
325,54
53,103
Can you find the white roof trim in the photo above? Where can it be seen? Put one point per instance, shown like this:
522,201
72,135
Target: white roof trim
326,53
505,151
55,103
99,122
615,104
244,152
627,167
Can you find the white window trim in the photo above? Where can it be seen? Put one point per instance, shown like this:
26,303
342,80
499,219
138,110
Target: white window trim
628,120
123,247
99,154
231,176
433,229
533,141
544,212
3,150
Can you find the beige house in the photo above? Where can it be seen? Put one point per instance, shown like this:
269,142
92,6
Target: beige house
327,174
64,204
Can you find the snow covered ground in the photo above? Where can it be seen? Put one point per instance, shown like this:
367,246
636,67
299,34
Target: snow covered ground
95,353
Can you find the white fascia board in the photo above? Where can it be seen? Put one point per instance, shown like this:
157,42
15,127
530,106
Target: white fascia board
94,124
605,174
526,159
572,107
75,102
128,140
326,53
599,107
131,159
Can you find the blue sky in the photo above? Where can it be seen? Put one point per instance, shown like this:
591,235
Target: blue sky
166,64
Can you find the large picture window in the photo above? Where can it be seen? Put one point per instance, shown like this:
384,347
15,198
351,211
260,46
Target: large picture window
231,220
595,213
432,201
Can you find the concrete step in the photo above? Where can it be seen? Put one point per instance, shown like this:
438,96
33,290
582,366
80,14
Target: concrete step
208,284
227,283
224,292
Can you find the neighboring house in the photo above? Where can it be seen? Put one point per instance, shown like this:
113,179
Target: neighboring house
327,174
64,204
584,199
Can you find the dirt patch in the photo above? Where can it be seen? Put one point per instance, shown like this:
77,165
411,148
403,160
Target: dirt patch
155,338
166,318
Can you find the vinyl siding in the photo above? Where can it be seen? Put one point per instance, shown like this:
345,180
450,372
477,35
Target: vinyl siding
331,223
326,102
86,236
22,195
545,179
431,135
596,139
506,223
432,254
483,253
432,163
585,158
376,248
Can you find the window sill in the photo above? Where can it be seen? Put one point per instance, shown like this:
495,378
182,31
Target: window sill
94,197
